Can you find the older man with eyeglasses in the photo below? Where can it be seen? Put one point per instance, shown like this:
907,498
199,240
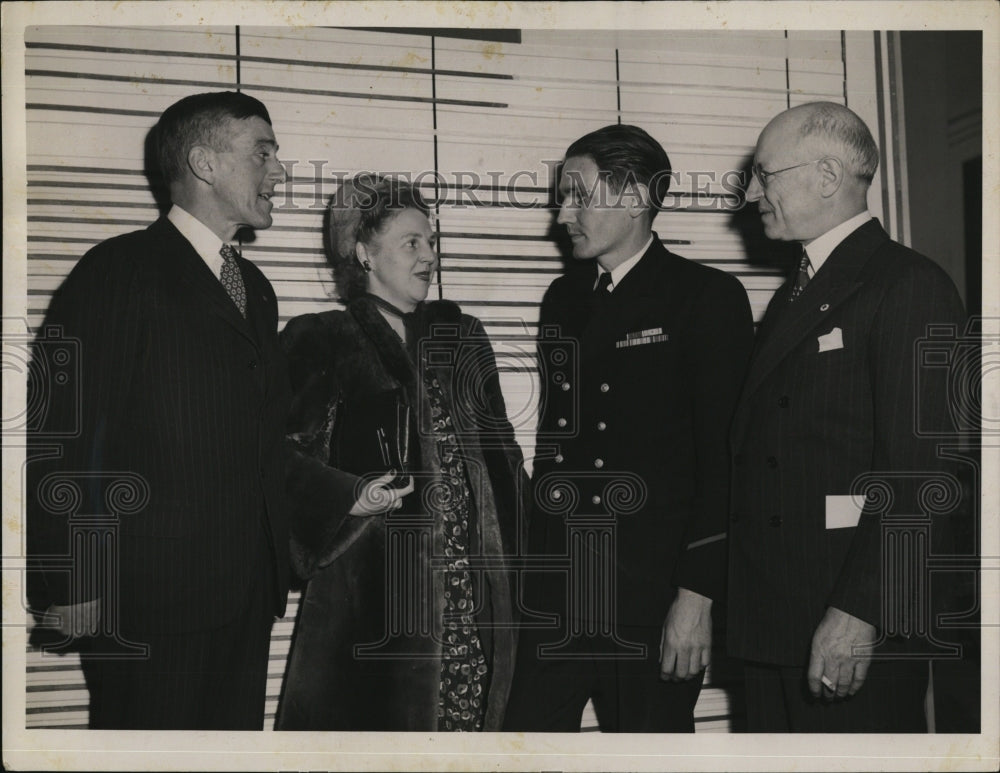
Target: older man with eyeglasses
826,630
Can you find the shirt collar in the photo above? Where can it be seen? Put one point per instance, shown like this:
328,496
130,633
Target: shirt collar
821,247
618,272
204,240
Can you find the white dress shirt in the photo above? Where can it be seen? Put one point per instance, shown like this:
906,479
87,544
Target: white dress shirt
618,272
821,247
202,238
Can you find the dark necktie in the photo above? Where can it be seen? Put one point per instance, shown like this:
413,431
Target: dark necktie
601,291
232,279
801,278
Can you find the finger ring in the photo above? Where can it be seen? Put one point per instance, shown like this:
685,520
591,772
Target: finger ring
827,683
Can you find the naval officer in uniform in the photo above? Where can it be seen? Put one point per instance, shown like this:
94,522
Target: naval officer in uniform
642,354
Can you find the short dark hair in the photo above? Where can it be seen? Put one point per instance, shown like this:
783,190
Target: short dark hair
199,120
627,154
361,208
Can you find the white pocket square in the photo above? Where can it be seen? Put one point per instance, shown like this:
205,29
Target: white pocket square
843,511
832,340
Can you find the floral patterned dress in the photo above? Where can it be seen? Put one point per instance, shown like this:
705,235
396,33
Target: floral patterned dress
464,671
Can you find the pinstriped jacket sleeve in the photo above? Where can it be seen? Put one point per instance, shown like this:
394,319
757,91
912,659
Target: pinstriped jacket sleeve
920,295
97,311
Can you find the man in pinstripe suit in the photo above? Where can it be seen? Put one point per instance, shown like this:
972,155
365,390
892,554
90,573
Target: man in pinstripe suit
182,401
831,397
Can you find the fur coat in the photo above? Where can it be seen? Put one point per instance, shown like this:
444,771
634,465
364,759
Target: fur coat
367,648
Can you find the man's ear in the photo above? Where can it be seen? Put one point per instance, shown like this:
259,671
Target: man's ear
202,163
636,199
831,176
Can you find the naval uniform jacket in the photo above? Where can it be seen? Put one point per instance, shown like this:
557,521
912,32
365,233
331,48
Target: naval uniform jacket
833,393
637,396
183,402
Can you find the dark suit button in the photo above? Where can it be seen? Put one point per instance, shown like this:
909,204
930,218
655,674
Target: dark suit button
783,401
775,521
772,462
263,473
734,517
738,460
252,365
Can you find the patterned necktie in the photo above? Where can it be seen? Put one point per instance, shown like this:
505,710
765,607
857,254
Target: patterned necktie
801,278
232,279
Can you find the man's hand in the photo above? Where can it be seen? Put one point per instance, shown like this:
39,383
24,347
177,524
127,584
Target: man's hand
841,653
379,497
76,620
686,646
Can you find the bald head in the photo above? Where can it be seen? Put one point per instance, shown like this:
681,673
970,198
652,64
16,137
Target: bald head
827,127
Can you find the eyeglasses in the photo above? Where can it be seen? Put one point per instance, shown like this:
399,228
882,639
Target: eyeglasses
764,176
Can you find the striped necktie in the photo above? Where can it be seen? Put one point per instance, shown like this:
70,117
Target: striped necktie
232,279
801,278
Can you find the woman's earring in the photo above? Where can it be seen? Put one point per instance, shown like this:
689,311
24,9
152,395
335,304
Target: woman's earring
366,265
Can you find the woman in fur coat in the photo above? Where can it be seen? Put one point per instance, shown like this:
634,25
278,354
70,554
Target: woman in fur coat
407,619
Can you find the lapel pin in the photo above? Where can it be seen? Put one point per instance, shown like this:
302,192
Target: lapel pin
824,307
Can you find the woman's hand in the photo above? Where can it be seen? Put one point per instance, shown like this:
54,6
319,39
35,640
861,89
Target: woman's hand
379,496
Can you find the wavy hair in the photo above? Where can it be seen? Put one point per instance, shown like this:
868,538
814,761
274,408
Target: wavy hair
627,154
360,209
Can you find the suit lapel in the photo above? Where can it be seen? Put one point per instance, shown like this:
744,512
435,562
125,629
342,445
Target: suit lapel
262,324
786,325
193,273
